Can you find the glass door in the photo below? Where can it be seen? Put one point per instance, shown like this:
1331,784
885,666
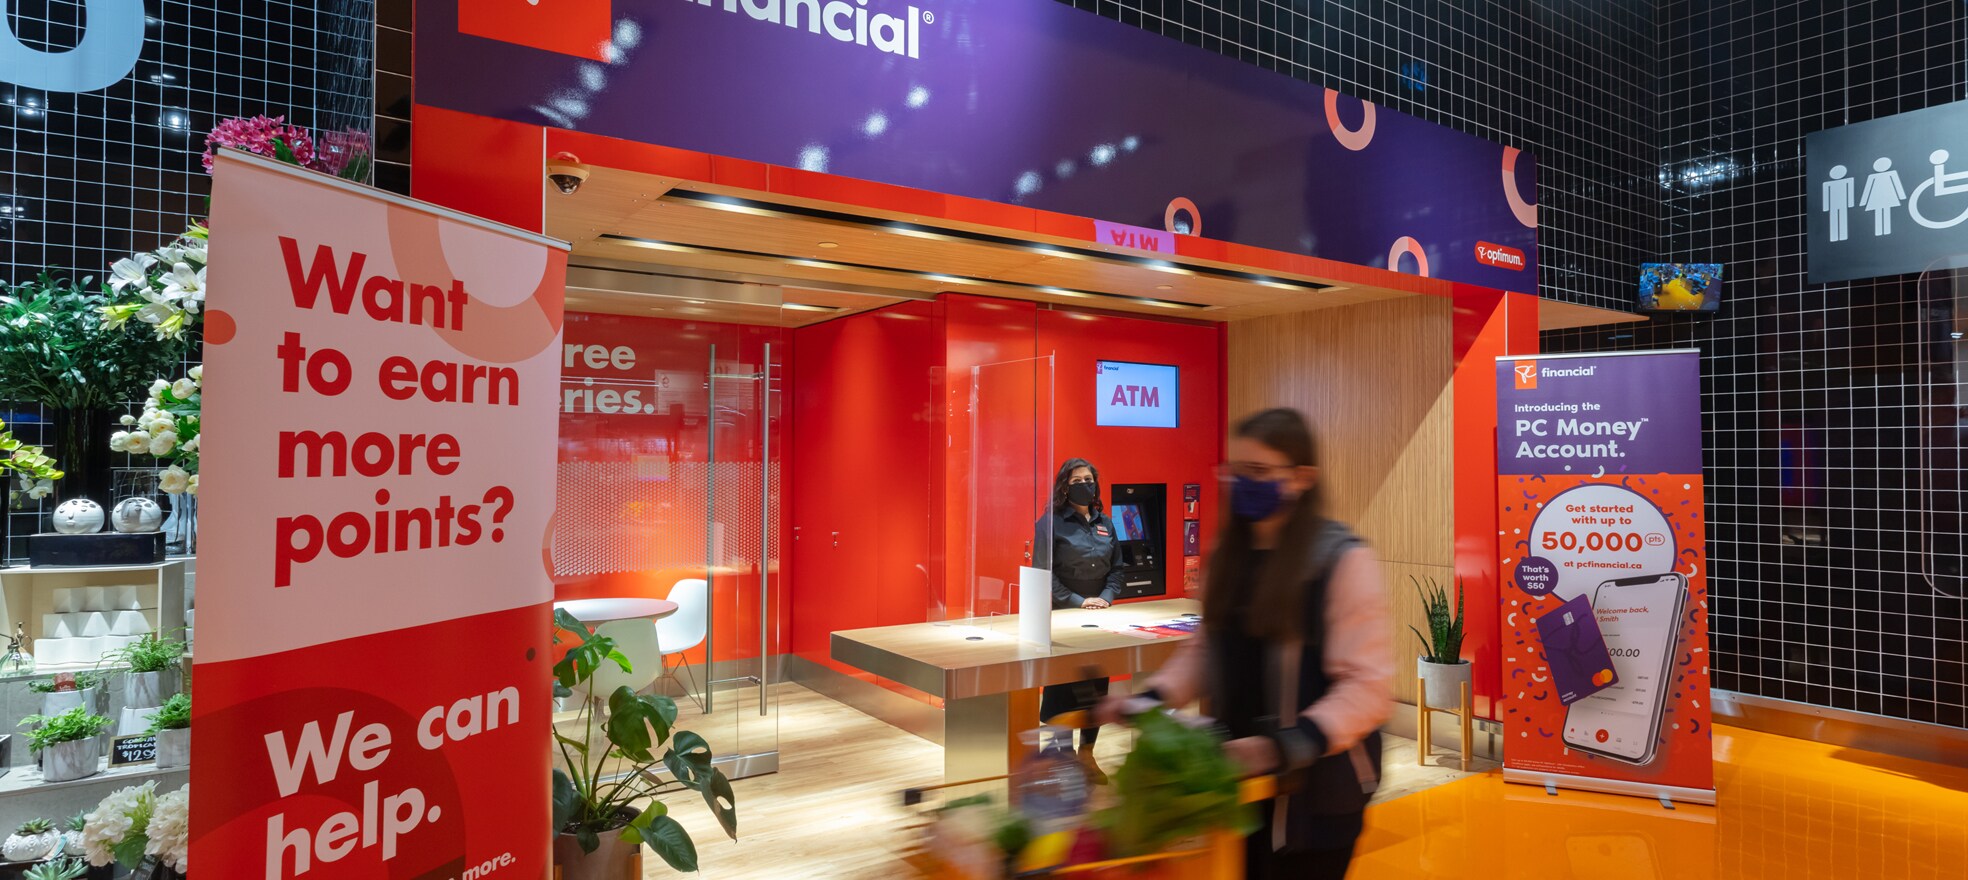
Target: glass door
742,547
669,489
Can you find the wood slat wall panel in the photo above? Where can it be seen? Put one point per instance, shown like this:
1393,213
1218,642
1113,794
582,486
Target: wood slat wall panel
1375,379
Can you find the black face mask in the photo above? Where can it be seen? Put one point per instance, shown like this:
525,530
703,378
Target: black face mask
1083,494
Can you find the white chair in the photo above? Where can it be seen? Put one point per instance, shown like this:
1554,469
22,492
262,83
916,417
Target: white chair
637,640
684,630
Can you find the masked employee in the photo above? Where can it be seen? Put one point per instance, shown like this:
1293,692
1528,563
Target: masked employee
1085,558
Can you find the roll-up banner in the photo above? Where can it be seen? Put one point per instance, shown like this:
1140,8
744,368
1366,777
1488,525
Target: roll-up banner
1605,617
372,664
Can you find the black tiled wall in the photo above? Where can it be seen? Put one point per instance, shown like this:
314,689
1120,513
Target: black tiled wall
91,178
1571,81
1830,421
1674,130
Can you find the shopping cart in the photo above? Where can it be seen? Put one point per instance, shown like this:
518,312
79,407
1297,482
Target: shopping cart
1214,856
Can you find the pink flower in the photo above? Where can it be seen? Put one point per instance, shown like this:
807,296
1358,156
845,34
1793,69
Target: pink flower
257,135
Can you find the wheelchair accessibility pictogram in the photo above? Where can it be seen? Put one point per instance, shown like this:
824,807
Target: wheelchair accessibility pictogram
1941,184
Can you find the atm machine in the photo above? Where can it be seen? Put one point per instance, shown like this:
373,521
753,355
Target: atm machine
1140,515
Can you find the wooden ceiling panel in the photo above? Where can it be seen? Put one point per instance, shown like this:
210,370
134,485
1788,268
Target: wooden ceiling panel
651,221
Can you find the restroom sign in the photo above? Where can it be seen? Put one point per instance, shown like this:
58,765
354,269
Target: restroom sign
1135,395
1889,196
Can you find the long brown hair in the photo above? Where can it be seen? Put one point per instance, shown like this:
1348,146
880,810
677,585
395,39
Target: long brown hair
1269,603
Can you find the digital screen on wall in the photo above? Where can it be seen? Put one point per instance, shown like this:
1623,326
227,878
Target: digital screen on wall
1680,287
1135,395
1127,523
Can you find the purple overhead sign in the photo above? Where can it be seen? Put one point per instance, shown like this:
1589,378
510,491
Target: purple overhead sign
1027,102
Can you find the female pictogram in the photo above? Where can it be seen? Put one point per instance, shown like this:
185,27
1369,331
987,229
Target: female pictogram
1883,193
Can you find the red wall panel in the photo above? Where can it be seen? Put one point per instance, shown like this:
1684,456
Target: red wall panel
479,165
860,466
1187,453
882,450
1488,323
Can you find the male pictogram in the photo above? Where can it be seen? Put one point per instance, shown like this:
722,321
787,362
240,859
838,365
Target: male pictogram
1840,195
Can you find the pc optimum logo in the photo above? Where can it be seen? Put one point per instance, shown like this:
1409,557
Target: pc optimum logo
1500,256
844,21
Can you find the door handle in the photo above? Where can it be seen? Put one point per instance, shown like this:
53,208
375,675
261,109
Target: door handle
837,539
1028,553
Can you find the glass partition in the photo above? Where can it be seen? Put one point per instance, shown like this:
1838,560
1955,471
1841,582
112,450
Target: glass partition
1943,429
669,489
1010,486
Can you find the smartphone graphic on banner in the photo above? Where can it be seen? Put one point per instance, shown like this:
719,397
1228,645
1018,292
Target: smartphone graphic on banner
1641,620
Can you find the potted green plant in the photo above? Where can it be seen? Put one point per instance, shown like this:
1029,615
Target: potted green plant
1441,667
62,693
171,724
60,351
72,837
33,841
66,742
154,676
58,869
601,781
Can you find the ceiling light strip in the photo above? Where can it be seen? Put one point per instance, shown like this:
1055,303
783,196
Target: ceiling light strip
761,208
939,277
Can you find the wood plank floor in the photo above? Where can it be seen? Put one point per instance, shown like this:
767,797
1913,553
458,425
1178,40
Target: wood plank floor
834,811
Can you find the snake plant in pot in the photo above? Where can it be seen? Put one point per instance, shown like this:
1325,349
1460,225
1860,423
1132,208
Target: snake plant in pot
1441,667
605,788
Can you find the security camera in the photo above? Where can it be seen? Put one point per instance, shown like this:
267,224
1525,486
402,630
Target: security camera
566,172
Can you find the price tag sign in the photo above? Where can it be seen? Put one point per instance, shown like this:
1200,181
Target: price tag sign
134,749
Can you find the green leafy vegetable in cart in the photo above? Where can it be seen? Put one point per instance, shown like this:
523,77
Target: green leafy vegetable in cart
1177,783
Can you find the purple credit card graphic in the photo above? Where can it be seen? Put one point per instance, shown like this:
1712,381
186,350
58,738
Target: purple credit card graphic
1576,652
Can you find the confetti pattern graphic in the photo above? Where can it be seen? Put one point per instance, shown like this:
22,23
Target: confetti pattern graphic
1531,709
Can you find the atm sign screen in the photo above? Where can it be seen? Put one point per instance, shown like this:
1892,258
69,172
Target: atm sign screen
1135,395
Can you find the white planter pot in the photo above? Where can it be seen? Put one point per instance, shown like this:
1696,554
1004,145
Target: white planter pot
1442,682
134,720
173,748
70,760
57,702
148,690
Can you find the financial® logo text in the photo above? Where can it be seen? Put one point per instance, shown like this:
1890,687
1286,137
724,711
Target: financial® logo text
844,21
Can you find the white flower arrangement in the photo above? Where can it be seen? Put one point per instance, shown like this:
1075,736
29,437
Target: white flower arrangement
170,830
164,288
168,429
116,830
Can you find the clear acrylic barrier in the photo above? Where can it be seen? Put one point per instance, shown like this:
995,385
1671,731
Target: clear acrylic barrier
1943,430
1010,489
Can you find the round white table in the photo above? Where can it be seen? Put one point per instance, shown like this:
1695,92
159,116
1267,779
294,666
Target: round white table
632,624
607,610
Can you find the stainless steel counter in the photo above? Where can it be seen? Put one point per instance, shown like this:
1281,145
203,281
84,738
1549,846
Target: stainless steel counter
988,679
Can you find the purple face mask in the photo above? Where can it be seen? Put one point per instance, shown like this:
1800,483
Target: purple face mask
1255,500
